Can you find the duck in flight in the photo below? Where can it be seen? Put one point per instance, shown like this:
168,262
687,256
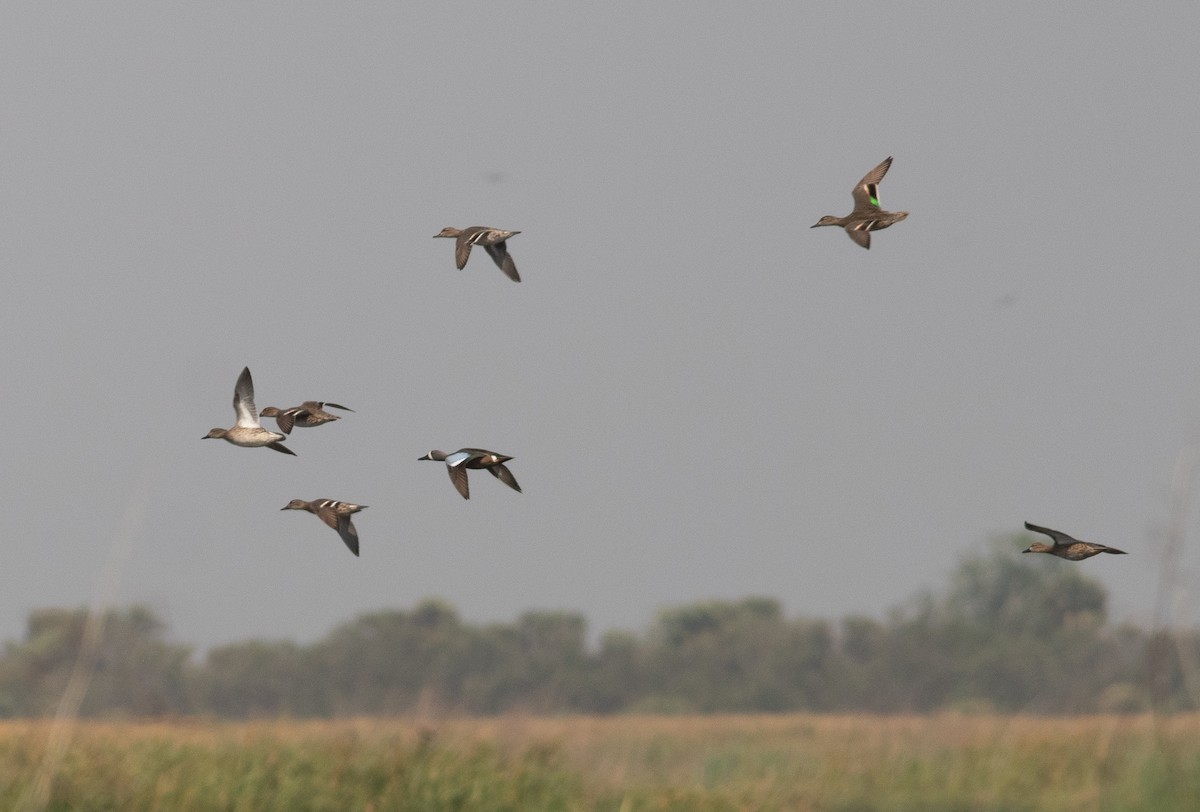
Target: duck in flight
867,215
457,463
333,513
1066,547
247,431
493,241
308,414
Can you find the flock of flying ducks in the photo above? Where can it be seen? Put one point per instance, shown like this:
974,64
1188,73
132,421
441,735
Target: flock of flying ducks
247,431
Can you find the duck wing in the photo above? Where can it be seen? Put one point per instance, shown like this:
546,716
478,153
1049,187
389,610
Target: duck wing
860,235
458,475
346,530
286,420
323,404
504,475
866,193
462,249
243,401
499,254
1058,536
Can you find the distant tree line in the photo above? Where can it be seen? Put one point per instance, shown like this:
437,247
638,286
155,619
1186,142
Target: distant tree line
1009,634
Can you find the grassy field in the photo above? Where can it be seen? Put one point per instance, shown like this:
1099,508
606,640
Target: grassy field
623,764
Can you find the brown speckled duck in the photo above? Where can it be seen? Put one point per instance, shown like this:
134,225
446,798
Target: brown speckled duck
867,215
247,431
308,414
333,513
1066,547
493,241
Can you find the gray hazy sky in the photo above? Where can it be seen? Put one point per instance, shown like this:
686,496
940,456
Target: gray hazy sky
705,399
